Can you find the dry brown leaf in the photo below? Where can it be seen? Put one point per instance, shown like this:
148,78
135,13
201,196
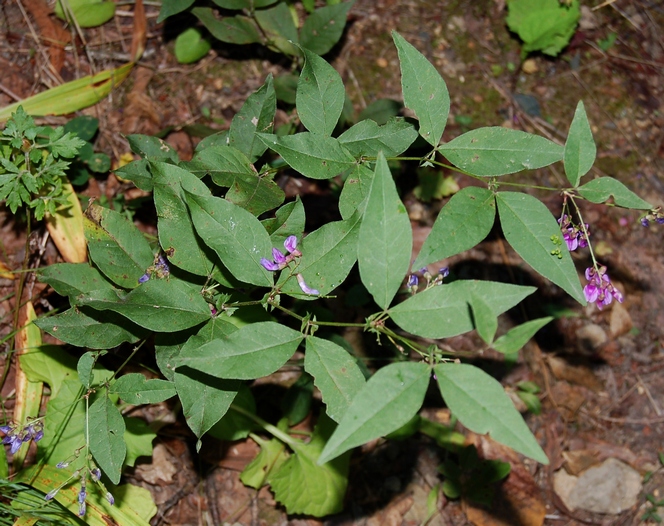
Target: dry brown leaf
576,374
139,36
50,31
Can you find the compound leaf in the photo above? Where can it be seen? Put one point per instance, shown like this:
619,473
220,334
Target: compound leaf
107,443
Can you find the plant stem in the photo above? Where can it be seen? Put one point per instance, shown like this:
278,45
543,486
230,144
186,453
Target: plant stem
273,430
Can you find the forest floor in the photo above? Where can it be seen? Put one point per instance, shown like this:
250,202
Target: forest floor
601,372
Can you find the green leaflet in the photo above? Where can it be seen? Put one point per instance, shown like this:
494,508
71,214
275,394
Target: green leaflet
481,404
320,95
424,90
388,400
494,151
255,116
85,327
232,29
324,27
443,311
271,456
191,46
303,486
73,279
366,138
315,156
84,367
205,399
580,149
463,222
386,238
162,305
289,220
254,351
107,443
355,189
279,28
328,255
518,336
231,168
135,388
336,374
116,246
600,190
152,148
534,233
235,235
486,321
177,236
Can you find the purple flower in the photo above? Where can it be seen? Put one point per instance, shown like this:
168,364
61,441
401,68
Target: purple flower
290,244
574,236
145,277
599,289
110,498
95,473
51,494
38,435
279,258
15,442
62,465
645,222
305,288
81,509
82,495
412,281
444,272
269,265
6,429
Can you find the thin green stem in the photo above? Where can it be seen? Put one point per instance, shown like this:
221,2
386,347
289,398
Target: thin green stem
273,430
585,231
133,353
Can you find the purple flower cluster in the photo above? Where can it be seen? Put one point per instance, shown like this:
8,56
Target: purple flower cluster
160,269
599,289
654,216
413,279
281,261
95,476
574,236
16,435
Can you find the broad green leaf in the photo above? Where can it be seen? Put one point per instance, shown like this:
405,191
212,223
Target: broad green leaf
136,172
518,336
177,236
162,305
235,235
138,437
328,255
107,443
173,8
152,148
424,90
231,168
312,155
443,311
320,95
580,149
84,327
116,246
133,505
494,151
481,404
232,29
387,401
303,486
235,425
535,235
600,190
254,351
324,27
462,223
355,189
87,13
84,126
73,279
289,220
191,46
168,345
205,399
279,28
271,456
386,238
51,365
84,368
366,138
486,322
135,388
335,373
256,115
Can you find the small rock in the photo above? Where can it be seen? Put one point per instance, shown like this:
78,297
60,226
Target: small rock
620,321
529,66
610,488
591,337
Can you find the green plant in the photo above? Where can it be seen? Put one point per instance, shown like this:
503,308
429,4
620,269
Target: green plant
231,289
543,25
272,23
32,169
